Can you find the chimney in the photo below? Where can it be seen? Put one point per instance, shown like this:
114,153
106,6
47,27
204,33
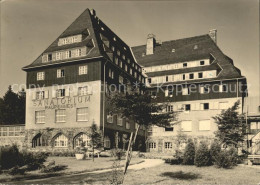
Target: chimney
150,44
213,35
93,12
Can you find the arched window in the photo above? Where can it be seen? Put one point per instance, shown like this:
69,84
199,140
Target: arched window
107,142
60,141
80,138
37,141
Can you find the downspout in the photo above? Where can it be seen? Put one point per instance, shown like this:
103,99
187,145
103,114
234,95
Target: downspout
104,96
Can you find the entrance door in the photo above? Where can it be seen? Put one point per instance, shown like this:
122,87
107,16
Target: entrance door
160,145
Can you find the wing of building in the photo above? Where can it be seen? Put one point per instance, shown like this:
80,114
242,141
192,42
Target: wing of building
65,86
197,80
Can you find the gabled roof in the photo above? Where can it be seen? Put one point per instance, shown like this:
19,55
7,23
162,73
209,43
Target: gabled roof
187,49
91,27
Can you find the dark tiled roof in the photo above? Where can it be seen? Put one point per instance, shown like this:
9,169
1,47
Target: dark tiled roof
91,27
184,51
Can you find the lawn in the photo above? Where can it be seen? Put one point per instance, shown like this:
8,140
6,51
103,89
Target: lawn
180,174
73,167
87,164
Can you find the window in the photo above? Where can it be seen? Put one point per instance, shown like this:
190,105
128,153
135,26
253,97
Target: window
125,67
223,88
58,55
111,73
152,145
183,77
202,62
38,141
169,108
83,70
49,57
123,56
184,65
168,145
185,91
40,116
186,126
204,125
121,63
67,54
39,95
116,60
166,78
113,48
204,106
78,52
127,125
81,138
60,115
110,118
223,105
119,121
82,114
40,76
131,71
191,76
60,93
121,79
254,125
187,107
83,91
60,73
60,141
204,89
168,129
200,75
107,143
118,52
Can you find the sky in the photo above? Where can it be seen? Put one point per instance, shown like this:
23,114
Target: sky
28,27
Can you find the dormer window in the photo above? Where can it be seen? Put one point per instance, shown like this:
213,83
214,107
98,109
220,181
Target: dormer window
70,40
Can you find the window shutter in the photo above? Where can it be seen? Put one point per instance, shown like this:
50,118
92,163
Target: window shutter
75,91
89,89
202,90
34,95
44,58
54,93
46,94
166,93
192,107
197,106
67,92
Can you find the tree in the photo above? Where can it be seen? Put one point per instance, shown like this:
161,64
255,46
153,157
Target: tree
12,107
231,127
95,138
141,110
202,155
189,153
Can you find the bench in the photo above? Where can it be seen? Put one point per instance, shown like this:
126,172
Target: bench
254,159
